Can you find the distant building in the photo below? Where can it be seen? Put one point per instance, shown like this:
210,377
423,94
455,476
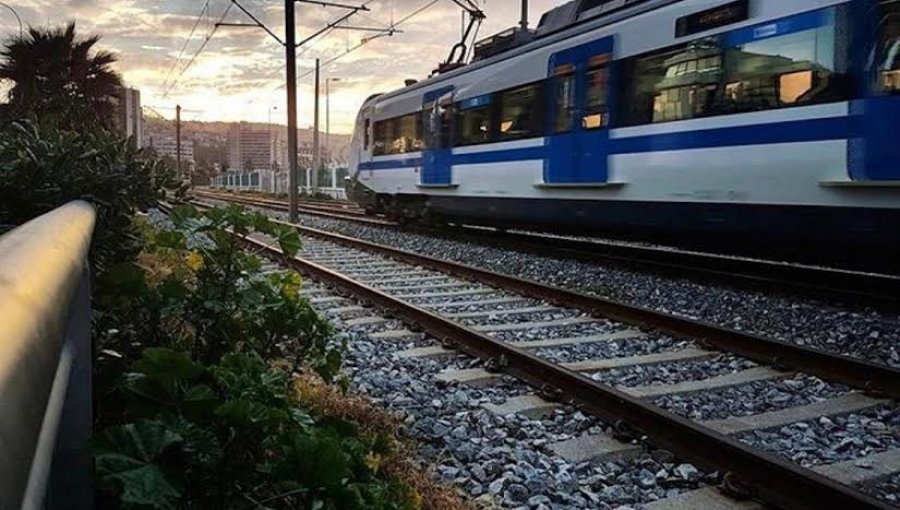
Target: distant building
260,149
166,146
305,154
131,116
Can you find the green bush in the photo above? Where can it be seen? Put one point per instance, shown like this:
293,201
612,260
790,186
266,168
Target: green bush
229,436
43,167
205,418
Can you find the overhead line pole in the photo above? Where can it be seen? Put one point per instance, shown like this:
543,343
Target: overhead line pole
178,140
290,50
317,160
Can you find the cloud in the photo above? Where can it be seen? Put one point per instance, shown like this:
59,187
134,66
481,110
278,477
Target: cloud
240,73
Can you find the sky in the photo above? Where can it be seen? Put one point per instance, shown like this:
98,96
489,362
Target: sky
240,73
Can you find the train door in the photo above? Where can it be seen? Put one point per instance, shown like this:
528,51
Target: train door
578,122
437,126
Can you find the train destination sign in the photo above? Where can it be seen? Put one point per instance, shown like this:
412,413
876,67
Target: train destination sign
732,12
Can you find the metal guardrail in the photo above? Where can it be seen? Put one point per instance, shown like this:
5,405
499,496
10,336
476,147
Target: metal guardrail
45,361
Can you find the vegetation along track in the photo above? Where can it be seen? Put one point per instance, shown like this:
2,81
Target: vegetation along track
879,290
585,349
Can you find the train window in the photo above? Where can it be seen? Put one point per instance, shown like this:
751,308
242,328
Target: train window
437,119
596,111
383,136
563,98
473,124
673,84
888,63
706,77
520,113
367,125
791,69
406,136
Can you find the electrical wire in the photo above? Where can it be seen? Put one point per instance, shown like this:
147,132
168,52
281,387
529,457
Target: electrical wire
186,42
199,50
370,39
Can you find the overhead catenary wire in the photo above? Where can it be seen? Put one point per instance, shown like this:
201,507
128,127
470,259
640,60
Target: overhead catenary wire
197,53
256,20
388,31
186,42
332,26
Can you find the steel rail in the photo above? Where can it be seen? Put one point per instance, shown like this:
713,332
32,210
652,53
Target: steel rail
873,288
876,289
771,479
873,377
305,209
280,204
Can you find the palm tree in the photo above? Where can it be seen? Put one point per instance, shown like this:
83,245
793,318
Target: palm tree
58,76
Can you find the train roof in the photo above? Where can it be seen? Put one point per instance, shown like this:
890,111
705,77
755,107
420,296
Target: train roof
558,24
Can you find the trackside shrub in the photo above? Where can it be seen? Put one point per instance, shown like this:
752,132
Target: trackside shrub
43,167
198,361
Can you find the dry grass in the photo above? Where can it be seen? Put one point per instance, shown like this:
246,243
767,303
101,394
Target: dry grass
321,398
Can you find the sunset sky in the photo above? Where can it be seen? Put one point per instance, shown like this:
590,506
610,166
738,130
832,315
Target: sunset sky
240,74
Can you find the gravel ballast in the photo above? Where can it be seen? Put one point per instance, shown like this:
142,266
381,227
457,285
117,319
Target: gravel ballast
503,460
753,398
841,328
832,439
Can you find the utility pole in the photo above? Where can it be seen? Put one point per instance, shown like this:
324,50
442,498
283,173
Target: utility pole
314,181
290,50
178,140
328,158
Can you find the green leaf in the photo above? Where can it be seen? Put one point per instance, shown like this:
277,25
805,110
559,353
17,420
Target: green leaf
127,455
126,278
182,213
172,239
288,239
302,418
169,368
148,486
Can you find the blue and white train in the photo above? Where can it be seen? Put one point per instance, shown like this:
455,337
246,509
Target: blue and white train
753,120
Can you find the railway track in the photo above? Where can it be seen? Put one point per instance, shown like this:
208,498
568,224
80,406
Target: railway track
633,367
338,209
879,290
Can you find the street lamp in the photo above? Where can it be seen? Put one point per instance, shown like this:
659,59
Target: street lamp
19,19
328,123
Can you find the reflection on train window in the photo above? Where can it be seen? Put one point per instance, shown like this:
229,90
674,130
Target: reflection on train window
563,98
703,78
474,125
791,69
792,86
520,113
596,111
673,84
406,138
682,102
889,46
397,136
383,133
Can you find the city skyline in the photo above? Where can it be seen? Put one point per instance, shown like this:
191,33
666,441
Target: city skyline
240,74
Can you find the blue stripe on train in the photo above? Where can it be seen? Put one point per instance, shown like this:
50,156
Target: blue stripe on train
833,128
